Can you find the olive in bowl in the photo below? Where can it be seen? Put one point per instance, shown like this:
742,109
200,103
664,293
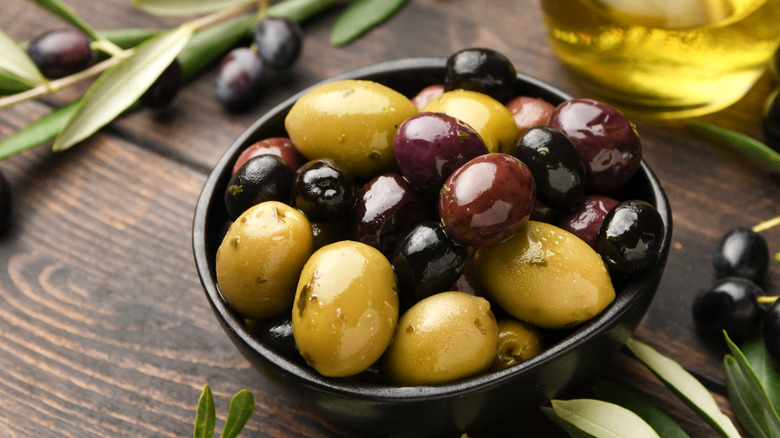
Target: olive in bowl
491,401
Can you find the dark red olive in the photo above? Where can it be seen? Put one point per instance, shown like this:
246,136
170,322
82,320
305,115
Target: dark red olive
279,41
428,147
387,208
730,304
529,112
426,262
323,191
630,237
487,199
555,165
427,94
239,78
59,53
772,333
585,221
279,146
606,141
742,252
482,70
164,89
263,178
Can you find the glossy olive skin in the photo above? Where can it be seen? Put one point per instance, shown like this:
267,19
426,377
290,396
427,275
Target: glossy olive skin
279,41
239,78
742,252
487,199
430,146
630,237
261,257
517,342
529,112
387,208
483,70
426,262
445,337
263,178
557,169
729,304
606,140
345,309
58,53
772,333
323,191
585,221
276,332
165,88
279,146
427,94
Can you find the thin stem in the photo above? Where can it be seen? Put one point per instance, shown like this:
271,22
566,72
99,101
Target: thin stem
105,46
767,299
766,224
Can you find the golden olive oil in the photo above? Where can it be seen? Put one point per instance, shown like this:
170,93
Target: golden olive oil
673,58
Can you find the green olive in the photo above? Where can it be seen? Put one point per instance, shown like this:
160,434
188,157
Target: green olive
444,337
260,258
545,276
489,117
517,342
345,309
351,121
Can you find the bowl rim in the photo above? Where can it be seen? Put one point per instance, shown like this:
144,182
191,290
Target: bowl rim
630,293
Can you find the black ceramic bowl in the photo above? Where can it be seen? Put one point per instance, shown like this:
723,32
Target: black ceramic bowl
505,398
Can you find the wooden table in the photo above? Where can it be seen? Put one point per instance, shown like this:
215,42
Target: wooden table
104,328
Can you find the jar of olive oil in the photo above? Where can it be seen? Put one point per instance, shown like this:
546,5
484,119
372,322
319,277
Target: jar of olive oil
670,58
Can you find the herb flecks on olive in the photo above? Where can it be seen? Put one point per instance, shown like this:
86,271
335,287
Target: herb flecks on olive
517,342
345,309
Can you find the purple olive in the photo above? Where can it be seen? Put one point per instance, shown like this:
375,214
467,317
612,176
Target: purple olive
239,78
585,221
430,146
487,199
387,209
58,53
606,141
279,41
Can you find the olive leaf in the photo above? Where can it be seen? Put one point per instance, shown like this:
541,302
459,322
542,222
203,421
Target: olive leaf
128,38
179,8
117,88
205,418
241,407
299,10
745,402
756,354
602,419
656,418
750,385
69,16
16,61
209,44
360,16
570,429
12,84
740,142
39,131
684,386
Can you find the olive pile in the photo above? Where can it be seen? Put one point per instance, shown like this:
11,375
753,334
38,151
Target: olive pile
428,239
734,301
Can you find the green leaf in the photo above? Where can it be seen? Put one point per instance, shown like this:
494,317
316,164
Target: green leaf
756,354
117,88
205,419
754,385
241,407
740,142
179,8
743,399
128,38
16,61
62,10
12,84
567,427
211,43
360,16
38,132
684,386
299,10
602,419
656,418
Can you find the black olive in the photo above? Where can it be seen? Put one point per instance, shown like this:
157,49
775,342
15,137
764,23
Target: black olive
556,166
742,253
731,304
262,178
279,41
772,333
630,237
323,191
276,332
427,261
482,70
165,88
